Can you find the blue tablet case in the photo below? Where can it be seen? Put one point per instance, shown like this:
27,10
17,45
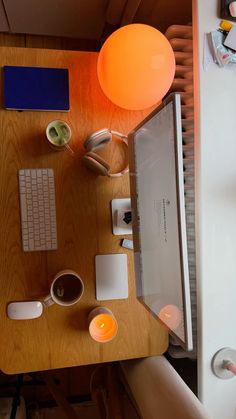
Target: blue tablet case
36,88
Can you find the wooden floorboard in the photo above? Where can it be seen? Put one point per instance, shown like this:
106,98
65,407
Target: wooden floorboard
78,384
47,42
73,381
9,40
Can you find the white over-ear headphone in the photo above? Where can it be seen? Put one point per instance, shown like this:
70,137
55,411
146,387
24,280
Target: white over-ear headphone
96,141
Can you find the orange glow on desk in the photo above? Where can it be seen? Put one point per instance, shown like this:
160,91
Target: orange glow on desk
102,325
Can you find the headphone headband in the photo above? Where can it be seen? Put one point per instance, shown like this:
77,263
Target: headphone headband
96,141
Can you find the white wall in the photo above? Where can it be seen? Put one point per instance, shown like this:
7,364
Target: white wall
215,106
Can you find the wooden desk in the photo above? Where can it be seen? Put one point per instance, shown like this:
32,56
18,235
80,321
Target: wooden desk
60,337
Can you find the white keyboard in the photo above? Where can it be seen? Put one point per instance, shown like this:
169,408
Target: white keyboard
38,209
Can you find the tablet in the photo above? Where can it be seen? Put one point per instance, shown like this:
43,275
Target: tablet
36,88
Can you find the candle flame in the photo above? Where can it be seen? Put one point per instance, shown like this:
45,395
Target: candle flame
102,325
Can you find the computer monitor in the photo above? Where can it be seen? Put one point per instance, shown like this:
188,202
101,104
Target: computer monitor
158,218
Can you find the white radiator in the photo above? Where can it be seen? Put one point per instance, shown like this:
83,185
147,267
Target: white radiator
180,38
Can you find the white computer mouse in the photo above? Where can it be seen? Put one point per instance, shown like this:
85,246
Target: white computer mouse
232,9
24,310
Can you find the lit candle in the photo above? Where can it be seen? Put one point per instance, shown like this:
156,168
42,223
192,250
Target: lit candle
102,324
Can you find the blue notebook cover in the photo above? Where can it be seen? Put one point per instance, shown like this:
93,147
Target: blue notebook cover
36,88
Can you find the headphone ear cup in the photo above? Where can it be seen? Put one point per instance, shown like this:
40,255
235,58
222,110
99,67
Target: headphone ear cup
96,163
98,140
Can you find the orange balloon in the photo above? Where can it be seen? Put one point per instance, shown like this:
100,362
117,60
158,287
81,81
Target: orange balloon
136,66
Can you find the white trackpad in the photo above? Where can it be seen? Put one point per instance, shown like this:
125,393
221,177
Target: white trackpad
111,277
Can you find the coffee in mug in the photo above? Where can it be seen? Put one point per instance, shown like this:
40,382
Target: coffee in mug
66,289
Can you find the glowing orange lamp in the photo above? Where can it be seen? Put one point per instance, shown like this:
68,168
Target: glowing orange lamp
102,324
136,66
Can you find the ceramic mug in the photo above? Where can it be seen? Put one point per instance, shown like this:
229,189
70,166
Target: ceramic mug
66,289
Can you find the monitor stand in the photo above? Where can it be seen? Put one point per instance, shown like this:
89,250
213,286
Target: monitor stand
121,216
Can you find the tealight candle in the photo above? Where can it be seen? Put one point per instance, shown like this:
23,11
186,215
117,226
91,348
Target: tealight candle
102,324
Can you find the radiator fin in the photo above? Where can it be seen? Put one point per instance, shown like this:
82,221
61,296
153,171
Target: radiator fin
180,37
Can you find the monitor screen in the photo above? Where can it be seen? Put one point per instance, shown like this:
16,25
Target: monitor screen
158,218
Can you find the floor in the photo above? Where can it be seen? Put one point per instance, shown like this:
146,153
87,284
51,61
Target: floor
48,42
75,383
92,391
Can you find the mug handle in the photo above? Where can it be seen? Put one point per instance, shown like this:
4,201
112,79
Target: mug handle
48,301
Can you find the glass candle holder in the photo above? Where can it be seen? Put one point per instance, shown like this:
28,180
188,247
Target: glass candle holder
102,324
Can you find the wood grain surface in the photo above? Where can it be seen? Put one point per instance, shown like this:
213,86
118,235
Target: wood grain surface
60,338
